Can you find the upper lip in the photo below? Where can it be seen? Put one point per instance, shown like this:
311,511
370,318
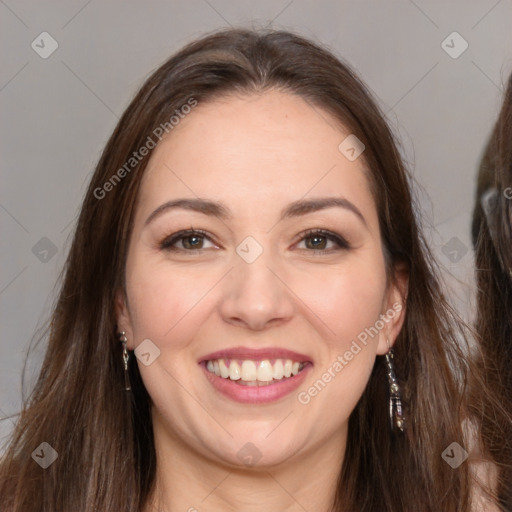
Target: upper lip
256,354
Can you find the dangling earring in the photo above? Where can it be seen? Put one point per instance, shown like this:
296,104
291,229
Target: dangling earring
126,356
395,401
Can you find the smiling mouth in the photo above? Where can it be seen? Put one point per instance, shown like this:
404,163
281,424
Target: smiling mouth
247,372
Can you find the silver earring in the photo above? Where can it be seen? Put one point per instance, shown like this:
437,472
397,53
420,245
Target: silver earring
126,356
395,401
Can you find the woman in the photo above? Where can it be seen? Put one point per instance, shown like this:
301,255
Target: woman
247,264
492,237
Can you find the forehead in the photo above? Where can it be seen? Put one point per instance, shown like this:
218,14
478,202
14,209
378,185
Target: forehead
259,149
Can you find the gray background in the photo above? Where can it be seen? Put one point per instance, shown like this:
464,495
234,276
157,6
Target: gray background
58,112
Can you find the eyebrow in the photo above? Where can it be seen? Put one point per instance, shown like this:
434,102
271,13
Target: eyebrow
294,209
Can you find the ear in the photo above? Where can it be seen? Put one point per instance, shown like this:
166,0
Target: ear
394,308
123,317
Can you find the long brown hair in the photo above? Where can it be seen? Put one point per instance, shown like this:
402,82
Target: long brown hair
103,436
492,237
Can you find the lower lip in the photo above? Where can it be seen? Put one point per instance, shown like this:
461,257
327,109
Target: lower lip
256,394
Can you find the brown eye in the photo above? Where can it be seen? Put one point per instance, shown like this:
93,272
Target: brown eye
190,240
317,240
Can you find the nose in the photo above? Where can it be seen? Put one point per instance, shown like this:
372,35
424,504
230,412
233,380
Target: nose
256,296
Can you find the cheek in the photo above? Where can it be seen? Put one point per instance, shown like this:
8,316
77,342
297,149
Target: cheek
161,300
348,300
349,305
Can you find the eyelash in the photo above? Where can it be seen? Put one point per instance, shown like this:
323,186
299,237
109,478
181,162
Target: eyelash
168,242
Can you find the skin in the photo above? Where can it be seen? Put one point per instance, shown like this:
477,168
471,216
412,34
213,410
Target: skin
255,154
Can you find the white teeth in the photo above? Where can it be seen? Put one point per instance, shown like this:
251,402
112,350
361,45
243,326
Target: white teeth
287,368
248,370
278,373
234,371
251,372
224,371
265,371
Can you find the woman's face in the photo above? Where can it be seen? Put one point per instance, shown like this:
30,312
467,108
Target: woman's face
252,292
